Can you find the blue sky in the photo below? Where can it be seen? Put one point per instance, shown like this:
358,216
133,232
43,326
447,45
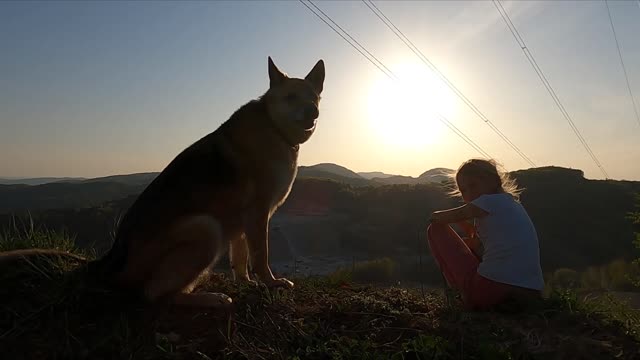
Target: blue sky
99,88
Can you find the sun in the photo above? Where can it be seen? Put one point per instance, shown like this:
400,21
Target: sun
404,113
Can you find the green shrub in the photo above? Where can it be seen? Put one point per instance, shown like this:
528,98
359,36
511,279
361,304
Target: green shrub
28,235
378,270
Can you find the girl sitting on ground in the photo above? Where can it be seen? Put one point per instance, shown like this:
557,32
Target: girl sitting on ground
500,259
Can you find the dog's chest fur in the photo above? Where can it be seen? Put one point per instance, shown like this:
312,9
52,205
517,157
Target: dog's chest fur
263,157
282,176
274,175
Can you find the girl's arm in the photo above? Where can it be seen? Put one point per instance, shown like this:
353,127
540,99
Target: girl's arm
475,246
471,239
464,212
468,228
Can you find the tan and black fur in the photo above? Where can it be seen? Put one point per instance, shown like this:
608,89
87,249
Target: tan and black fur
217,195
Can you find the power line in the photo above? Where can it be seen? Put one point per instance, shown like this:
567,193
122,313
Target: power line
372,6
624,68
385,70
342,36
514,31
350,37
463,136
390,74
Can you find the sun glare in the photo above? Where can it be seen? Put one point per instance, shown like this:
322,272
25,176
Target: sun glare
404,113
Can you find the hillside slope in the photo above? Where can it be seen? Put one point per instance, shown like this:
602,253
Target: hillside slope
63,315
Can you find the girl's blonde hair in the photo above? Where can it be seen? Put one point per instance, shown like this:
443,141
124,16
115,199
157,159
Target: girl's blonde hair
490,170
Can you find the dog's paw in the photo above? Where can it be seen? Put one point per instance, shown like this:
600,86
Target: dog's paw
215,300
279,283
204,300
247,282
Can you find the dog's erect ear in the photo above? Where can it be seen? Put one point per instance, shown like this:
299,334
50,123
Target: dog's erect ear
316,76
275,75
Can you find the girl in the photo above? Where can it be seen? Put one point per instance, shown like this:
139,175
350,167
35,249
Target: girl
506,261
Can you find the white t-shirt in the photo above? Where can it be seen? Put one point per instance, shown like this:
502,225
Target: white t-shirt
511,251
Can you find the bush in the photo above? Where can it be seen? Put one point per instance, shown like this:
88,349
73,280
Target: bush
565,278
28,235
592,278
615,276
378,270
635,220
619,274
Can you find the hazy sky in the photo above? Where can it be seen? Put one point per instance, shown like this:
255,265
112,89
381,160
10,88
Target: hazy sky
99,88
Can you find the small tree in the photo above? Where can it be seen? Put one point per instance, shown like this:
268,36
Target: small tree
635,218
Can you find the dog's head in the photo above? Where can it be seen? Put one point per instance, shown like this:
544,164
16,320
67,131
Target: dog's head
293,103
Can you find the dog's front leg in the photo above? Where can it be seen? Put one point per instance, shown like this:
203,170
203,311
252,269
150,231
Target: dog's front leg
239,256
257,236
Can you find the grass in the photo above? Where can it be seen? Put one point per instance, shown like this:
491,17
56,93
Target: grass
378,270
24,234
49,309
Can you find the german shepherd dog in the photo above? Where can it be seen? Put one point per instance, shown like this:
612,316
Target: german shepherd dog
217,195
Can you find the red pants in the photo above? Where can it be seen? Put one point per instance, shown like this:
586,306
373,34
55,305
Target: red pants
460,268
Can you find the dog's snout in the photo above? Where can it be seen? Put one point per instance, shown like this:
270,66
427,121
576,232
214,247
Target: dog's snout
311,112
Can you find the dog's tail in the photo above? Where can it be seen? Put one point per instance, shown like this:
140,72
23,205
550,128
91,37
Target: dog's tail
98,270
13,257
42,261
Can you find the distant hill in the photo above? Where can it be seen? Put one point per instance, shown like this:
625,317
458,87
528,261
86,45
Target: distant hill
62,195
375,174
319,174
73,193
128,179
330,168
38,181
322,171
332,172
395,179
580,222
436,175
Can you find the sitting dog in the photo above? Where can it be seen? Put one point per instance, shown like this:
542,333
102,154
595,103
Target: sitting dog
217,195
